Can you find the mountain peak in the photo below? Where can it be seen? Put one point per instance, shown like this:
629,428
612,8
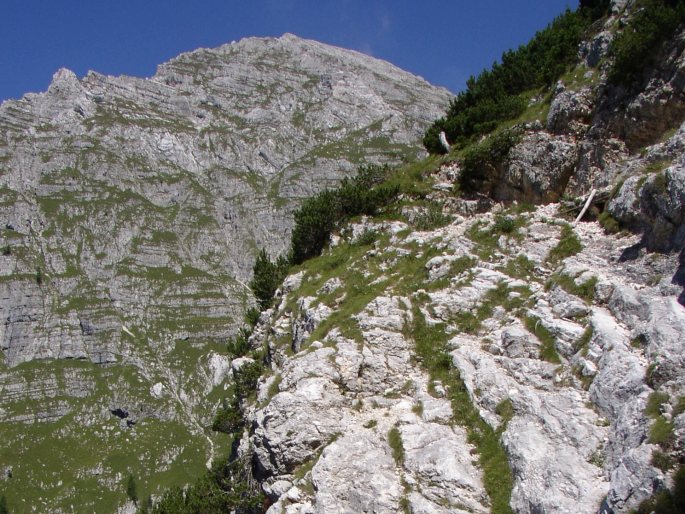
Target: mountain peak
133,211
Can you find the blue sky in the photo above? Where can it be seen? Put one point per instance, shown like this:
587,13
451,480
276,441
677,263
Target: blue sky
443,41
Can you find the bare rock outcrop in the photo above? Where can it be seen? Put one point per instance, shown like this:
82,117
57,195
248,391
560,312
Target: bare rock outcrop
563,377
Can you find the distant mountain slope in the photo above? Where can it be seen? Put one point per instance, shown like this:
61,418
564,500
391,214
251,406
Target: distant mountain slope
131,211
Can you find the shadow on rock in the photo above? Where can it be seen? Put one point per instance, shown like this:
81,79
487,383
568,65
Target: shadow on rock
631,253
679,277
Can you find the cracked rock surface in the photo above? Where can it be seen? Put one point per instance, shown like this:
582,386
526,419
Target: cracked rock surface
566,392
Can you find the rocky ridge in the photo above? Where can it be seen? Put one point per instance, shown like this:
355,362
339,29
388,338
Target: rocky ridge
617,139
561,364
131,213
565,340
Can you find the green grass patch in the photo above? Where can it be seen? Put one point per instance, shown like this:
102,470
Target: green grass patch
511,299
585,290
486,238
662,461
467,322
654,403
505,410
431,349
395,442
581,345
661,432
367,238
569,244
431,219
345,262
460,265
521,267
548,349
413,179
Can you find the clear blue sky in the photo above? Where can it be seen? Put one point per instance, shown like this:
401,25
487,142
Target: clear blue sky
443,41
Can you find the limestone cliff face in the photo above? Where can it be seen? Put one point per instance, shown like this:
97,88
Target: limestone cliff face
489,358
131,211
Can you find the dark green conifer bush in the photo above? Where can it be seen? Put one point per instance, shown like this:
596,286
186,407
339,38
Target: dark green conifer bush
320,215
652,24
131,489
496,94
228,487
267,277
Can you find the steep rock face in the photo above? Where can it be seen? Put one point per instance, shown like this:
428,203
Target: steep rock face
596,134
336,403
652,201
131,210
537,169
559,357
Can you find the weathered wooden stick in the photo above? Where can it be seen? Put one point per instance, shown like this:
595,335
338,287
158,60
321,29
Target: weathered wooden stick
586,206
443,141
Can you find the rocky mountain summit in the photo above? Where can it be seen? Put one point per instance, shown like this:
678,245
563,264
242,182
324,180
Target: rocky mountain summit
132,210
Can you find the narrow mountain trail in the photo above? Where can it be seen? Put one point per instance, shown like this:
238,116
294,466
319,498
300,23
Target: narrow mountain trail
533,320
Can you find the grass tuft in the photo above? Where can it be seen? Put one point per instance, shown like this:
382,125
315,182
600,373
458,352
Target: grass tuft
568,245
585,290
431,348
395,442
548,350
654,403
661,433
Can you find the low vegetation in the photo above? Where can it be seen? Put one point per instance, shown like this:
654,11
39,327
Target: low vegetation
431,218
498,94
548,349
228,487
395,442
569,244
584,290
430,343
652,25
372,189
318,216
487,237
